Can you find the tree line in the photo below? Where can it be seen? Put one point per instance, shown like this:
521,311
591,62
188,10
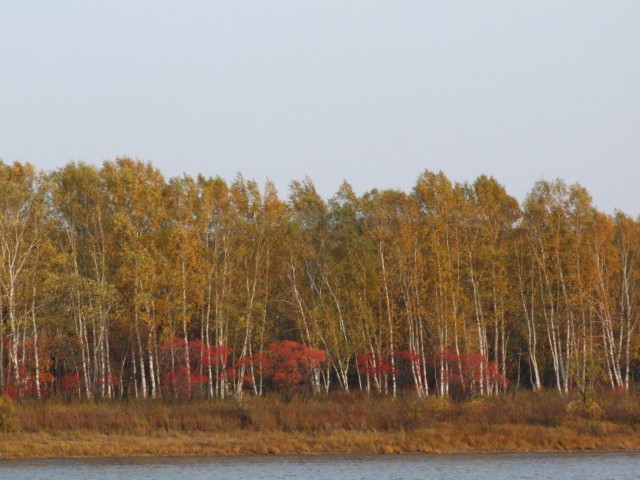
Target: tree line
116,282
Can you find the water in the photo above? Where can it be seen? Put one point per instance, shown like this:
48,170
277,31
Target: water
556,466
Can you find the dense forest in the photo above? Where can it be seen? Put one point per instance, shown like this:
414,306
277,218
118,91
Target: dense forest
116,282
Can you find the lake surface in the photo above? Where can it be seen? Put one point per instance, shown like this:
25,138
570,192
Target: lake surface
556,466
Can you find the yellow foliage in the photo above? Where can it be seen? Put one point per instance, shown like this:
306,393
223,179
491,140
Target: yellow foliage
589,409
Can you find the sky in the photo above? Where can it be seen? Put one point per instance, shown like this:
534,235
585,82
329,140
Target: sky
374,92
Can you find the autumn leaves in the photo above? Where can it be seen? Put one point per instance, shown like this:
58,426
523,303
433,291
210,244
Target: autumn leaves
117,282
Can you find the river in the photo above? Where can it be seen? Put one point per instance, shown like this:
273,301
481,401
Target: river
556,466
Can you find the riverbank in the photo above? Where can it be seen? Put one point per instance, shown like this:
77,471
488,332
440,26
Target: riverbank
439,439
346,425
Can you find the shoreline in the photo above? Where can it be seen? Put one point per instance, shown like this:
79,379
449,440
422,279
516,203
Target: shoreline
437,440
169,457
541,422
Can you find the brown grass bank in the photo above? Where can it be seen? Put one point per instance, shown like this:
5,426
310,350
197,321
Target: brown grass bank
337,424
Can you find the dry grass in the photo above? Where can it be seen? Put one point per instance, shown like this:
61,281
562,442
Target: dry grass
437,439
338,424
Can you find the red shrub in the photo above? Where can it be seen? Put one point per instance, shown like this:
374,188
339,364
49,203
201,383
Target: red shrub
288,364
467,370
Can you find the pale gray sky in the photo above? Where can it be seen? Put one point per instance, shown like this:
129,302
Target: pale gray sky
369,91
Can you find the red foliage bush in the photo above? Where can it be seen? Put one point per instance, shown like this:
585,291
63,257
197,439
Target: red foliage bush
179,377
288,364
374,366
467,370
69,385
